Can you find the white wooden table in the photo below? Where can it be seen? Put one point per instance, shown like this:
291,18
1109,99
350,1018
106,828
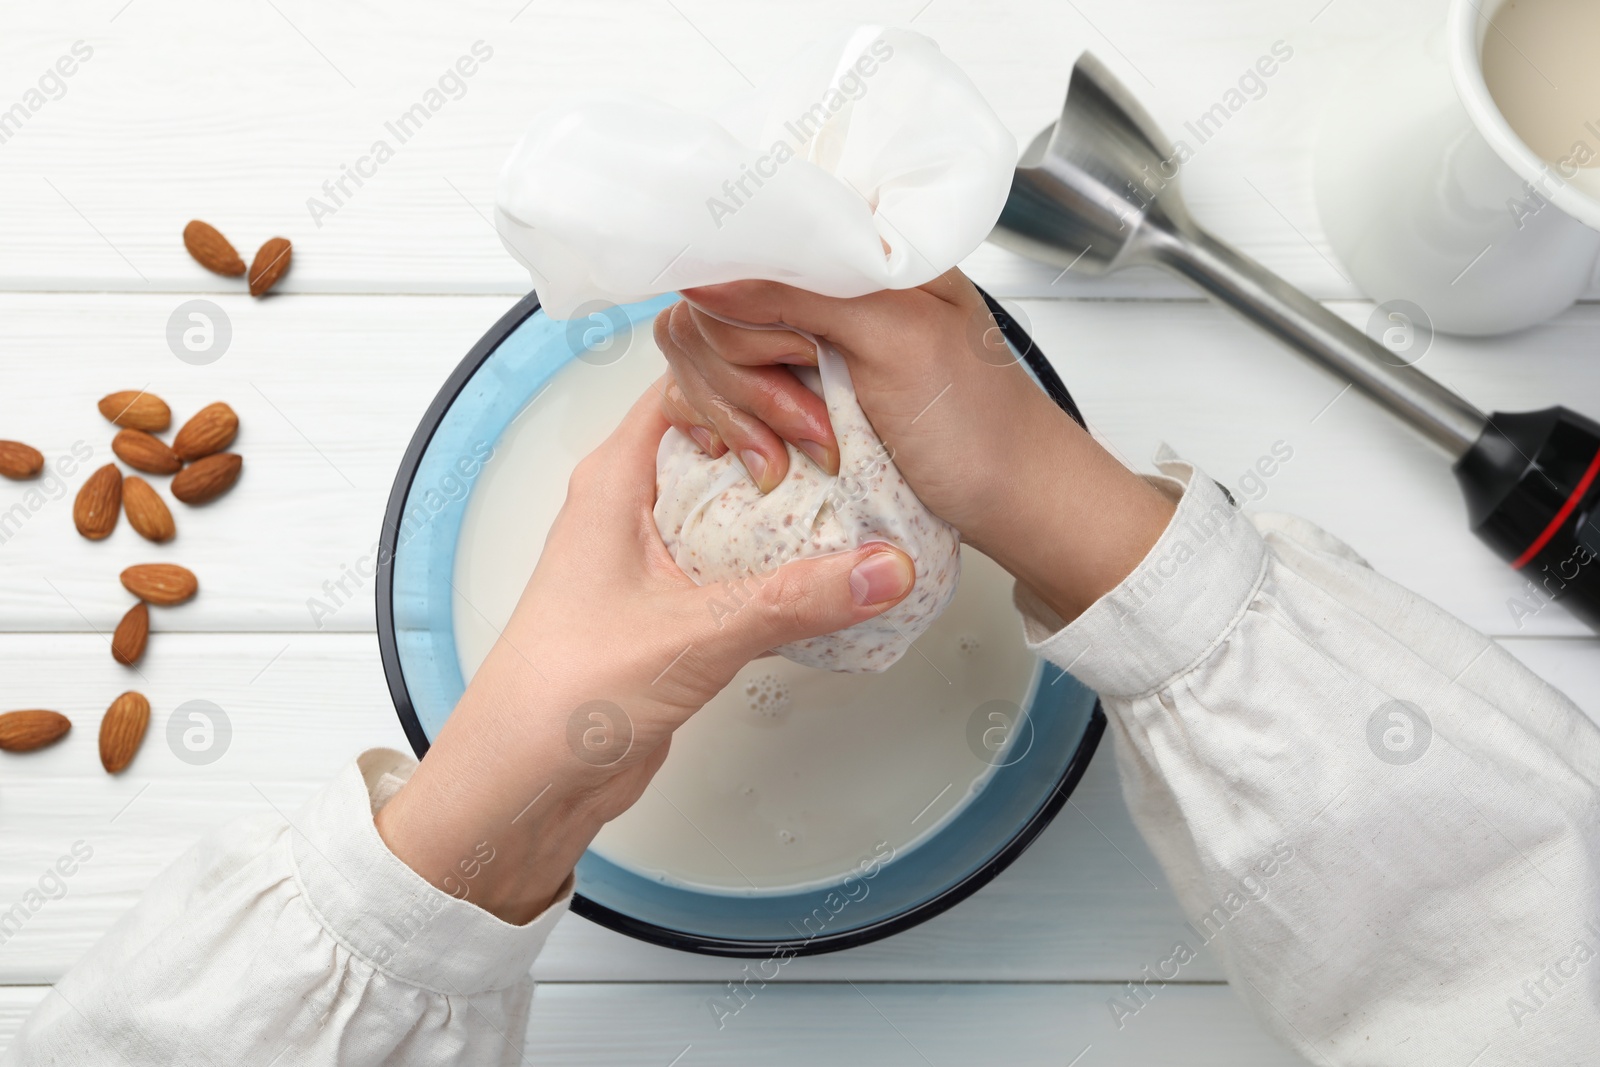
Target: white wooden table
238,112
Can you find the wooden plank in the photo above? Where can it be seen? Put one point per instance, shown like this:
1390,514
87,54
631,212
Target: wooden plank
869,1023
1087,902
1223,396
241,116
16,1004
330,389
328,393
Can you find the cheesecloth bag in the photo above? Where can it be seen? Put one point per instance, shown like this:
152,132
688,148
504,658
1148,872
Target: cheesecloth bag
870,138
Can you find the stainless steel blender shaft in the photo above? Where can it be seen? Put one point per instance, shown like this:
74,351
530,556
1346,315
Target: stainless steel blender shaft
1098,192
1247,287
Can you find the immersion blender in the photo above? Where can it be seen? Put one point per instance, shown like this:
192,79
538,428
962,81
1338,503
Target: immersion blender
1093,193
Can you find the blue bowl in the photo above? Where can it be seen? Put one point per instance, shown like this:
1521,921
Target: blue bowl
1047,754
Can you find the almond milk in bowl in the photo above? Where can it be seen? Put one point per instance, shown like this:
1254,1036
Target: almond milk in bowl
801,811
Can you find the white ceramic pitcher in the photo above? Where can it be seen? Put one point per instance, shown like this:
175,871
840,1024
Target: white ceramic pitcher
1427,195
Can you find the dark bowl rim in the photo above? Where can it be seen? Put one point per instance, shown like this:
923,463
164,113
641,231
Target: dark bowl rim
611,919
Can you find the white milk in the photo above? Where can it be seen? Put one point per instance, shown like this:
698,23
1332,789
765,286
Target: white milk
1540,63
791,775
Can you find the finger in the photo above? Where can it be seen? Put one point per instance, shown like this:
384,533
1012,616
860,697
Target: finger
639,434
759,449
679,412
778,401
752,409
751,348
741,365
611,494
721,352
783,403
686,420
811,597
854,324
773,303
625,462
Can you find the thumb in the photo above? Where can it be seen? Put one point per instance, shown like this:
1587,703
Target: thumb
820,595
849,322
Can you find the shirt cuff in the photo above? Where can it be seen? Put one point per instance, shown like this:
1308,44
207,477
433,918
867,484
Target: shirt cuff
386,913
1174,609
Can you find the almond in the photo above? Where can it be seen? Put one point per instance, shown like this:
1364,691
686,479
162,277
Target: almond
210,430
272,259
19,462
145,453
207,478
24,731
95,510
122,730
162,584
147,512
212,250
127,644
137,410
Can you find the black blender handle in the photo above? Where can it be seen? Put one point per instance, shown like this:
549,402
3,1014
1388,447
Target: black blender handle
1532,483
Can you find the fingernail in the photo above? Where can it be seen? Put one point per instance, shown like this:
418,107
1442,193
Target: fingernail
820,455
881,576
804,357
756,464
702,437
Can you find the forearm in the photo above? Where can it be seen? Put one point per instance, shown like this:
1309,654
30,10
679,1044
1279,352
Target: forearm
1065,518
610,650
497,813
464,828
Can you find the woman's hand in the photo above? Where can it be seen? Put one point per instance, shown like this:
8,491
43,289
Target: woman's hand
610,649
929,366
983,446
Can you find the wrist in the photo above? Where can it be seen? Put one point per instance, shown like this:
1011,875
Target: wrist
493,816
1071,522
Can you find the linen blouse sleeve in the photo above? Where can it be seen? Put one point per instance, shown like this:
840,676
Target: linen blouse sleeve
1385,825
297,939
